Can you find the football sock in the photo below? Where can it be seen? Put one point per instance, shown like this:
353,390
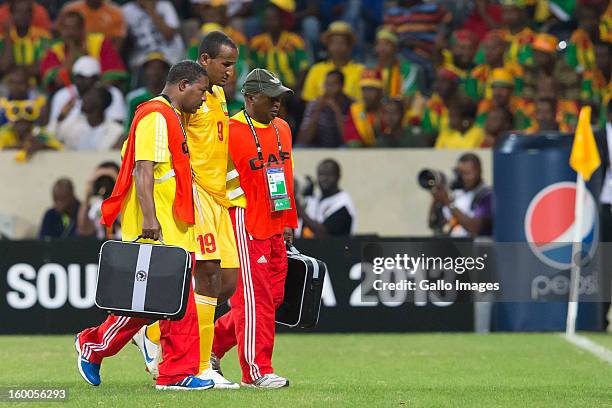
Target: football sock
206,323
153,333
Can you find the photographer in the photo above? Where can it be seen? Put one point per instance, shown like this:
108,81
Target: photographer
99,187
328,211
467,211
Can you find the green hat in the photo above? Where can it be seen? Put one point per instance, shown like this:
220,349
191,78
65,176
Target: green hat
263,81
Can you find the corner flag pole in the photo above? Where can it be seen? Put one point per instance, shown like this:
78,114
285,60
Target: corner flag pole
585,160
572,306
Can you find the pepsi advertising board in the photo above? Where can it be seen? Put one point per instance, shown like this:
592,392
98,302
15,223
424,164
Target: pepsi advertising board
49,287
535,191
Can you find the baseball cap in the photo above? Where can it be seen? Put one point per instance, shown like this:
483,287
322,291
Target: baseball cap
545,43
501,77
386,33
371,78
263,81
86,66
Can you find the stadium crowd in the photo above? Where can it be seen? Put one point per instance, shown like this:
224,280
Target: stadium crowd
412,73
443,74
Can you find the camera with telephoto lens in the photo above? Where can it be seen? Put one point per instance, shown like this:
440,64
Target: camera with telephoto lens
430,179
103,186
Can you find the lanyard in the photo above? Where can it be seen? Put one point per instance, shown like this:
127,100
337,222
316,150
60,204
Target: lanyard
278,141
167,98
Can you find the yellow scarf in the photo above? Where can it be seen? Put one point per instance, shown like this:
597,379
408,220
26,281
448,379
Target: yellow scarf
363,124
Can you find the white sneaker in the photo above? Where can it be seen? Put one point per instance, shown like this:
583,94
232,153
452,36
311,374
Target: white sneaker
221,383
268,381
150,351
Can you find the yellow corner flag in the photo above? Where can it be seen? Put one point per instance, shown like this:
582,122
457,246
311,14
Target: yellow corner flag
585,157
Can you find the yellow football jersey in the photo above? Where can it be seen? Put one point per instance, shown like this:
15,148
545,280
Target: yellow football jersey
207,138
235,194
152,145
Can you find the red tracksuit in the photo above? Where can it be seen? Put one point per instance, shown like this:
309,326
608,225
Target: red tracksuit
180,342
263,256
259,291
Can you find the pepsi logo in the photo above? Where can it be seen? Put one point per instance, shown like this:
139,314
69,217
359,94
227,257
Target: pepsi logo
550,224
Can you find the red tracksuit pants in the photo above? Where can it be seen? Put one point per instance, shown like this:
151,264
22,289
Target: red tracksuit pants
259,292
180,342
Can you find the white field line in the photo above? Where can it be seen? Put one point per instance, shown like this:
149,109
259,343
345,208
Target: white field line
584,343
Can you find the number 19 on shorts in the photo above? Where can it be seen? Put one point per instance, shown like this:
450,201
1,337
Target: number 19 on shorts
207,243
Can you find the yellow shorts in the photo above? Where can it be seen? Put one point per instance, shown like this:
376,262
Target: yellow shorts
213,231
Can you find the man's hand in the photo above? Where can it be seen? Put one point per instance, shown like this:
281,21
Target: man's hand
440,195
288,235
151,229
144,192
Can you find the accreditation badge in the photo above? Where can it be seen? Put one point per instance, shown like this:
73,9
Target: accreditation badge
277,187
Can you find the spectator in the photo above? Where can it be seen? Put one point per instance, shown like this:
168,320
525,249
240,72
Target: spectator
579,52
548,64
605,24
307,17
502,85
19,89
60,220
478,85
597,81
213,16
101,16
22,44
468,211
154,72
21,133
323,122
363,122
67,101
90,130
329,211
545,116
241,16
99,187
461,132
417,23
394,133
567,109
214,12
516,31
278,50
435,115
401,77
154,26
74,42
485,16
40,16
339,40
499,121
460,58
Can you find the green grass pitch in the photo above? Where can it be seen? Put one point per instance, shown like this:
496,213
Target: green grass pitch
386,370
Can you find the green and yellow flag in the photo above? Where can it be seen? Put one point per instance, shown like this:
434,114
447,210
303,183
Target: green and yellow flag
584,157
